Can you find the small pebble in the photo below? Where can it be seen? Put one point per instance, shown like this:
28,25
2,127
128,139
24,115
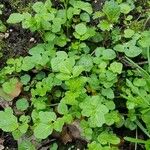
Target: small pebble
32,40
10,30
1,147
6,35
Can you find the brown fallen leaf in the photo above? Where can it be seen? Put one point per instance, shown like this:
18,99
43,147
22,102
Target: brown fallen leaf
1,144
16,92
65,135
70,132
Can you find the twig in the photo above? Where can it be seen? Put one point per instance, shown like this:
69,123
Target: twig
126,62
46,144
136,136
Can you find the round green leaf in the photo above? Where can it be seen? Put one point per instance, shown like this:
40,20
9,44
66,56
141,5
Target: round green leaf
116,67
62,108
25,79
9,86
106,138
81,28
8,122
108,93
58,124
54,147
105,25
125,8
22,104
26,145
38,7
15,18
119,48
85,17
133,51
42,131
108,54
139,82
47,117
128,33
86,61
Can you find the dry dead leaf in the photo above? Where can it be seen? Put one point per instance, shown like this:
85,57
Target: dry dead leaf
1,144
70,133
16,92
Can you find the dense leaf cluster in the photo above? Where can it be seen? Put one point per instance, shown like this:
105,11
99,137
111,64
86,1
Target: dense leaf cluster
80,72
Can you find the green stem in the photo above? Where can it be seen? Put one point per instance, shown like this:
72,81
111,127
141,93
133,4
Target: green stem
134,140
144,73
148,56
142,128
146,23
66,8
41,34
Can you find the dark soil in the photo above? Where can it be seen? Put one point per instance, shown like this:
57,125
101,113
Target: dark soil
16,41
9,142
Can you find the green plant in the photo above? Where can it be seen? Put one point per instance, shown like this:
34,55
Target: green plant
76,74
2,26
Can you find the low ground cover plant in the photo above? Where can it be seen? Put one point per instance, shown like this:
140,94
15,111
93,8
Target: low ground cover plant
90,71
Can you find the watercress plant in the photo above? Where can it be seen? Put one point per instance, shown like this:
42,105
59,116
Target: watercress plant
79,74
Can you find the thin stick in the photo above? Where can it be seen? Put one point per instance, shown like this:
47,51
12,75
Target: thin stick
136,136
